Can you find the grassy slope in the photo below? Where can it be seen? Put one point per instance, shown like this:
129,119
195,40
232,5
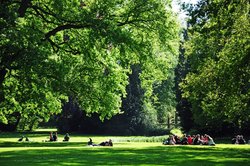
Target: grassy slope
123,153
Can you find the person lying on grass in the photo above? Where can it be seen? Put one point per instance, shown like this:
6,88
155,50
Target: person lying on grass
104,143
169,141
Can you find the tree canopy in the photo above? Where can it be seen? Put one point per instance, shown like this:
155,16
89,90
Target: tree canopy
218,53
50,50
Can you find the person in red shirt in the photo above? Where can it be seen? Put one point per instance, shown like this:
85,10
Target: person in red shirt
190,140
205,140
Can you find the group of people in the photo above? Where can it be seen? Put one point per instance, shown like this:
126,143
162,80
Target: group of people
238,139
23,138
104,143
53,137
189,140
171,140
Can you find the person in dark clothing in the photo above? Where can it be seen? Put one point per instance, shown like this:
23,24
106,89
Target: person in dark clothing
21,139
233,140
90,142
106,143
184,140
177,139
241,140
55,136
166,141
66,137
197,140
27,139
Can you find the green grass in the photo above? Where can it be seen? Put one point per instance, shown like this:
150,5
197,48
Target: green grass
126,151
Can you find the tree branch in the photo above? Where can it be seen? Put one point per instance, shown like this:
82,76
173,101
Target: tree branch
64,27
41,14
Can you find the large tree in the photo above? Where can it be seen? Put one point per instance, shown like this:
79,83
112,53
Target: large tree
54,49
219,53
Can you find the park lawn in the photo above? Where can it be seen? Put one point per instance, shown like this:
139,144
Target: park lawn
122,153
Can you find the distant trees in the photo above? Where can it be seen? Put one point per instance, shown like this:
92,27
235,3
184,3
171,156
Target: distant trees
183,106
140,116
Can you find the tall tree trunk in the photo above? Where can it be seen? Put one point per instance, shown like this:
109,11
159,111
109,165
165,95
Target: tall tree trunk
32,124
18,118
168,122
3,73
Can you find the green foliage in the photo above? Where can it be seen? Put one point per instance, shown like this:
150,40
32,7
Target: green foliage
54,49
176,131
183,106
218,50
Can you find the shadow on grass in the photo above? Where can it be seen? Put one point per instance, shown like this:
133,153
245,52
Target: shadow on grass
158,155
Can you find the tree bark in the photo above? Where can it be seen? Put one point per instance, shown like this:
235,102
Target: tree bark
168,122
3,73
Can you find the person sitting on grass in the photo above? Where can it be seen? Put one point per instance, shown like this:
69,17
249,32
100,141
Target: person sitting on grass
190,140
54,136
66,137
90,142
21,139
241,140
27,139
166,141
51,137
210,141
172,140
177,139
197,140
184,140
169,141
235,139
204,140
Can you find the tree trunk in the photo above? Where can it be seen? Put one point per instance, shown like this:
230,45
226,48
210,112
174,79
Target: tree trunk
32,124
3,73
18,118
168,123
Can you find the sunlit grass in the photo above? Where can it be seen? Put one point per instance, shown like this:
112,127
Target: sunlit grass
44,136
124,152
